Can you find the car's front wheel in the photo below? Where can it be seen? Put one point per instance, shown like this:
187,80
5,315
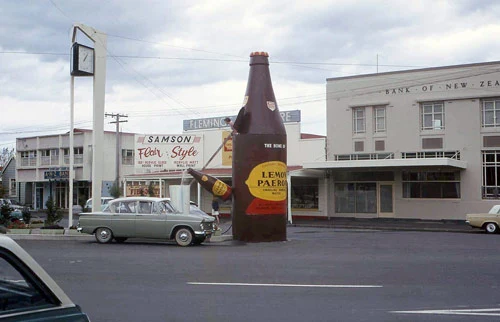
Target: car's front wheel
183,237
103,235
491,228
198,241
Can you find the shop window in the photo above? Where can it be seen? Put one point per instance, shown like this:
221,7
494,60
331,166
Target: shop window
358,120
432,185
304,193
356,197
432,116
491,175
490,113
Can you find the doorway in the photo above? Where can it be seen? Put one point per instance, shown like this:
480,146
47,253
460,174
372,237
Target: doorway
385,196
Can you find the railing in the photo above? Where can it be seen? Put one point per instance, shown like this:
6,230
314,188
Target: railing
28,162
49,160
77,159
363,156
431,154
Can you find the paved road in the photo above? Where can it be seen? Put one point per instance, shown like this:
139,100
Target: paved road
318,275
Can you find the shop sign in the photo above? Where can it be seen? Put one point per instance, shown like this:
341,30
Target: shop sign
218,122
168,151
56,174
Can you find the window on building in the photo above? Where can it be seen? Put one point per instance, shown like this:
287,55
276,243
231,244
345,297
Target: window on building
127,157
491,175
428,184
358,120
12,188
77,155
304,193
356,197
49,157
28,158
490,113
432,116
379,119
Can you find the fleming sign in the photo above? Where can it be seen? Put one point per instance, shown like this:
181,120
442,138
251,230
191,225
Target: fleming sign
168,152
218,122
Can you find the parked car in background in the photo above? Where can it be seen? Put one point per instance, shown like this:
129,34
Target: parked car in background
16,210
145,217
28,293
104,202
12,204
488,221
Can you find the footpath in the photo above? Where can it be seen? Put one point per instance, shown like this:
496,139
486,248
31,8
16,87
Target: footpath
459,226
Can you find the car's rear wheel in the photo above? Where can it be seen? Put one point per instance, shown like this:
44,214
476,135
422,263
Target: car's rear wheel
103,235
120,239
491,228
183,237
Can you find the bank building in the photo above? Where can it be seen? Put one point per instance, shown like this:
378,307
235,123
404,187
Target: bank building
421,143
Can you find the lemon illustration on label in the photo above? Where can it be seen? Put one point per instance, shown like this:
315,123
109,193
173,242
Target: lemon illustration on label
267,181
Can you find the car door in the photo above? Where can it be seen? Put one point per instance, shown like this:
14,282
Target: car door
25,297
123,217
151,220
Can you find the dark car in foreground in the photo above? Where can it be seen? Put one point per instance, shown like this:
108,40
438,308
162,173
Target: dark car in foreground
27,292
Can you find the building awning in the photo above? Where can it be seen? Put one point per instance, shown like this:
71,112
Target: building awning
387,164
216,172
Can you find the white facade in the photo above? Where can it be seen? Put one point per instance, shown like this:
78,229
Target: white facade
419,143
44,162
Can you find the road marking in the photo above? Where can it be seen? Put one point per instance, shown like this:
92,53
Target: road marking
479,312
286,285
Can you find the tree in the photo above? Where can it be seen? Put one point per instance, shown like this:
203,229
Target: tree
151,189
5,211
54,214
115,191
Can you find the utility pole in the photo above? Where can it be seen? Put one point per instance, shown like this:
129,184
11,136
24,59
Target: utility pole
117,122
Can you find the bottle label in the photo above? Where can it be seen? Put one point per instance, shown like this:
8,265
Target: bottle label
267,181
219,188
271,105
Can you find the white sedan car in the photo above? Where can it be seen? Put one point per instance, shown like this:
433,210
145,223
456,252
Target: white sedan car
488,221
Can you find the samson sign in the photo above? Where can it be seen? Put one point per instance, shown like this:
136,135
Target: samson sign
168,152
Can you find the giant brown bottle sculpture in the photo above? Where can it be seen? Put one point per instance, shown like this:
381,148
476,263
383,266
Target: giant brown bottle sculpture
259,161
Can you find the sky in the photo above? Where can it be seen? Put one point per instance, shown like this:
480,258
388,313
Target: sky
174,60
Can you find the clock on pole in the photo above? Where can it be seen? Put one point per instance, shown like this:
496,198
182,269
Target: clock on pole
82,60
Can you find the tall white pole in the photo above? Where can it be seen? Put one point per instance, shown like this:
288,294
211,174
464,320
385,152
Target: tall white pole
100,43
71,150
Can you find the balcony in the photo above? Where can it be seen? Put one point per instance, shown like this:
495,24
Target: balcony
49,160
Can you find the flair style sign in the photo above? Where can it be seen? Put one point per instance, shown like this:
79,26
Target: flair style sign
156,152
